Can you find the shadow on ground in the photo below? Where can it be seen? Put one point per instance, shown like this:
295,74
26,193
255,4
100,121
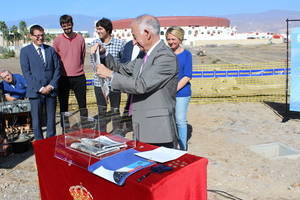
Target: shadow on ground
281,110
14,159
189,131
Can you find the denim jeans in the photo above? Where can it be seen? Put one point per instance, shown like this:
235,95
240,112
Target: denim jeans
181,121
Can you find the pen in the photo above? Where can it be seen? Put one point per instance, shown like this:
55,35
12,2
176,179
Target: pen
144,176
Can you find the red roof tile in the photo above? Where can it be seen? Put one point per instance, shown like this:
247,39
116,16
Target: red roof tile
179,21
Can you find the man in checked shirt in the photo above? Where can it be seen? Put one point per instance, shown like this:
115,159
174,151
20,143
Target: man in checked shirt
115,47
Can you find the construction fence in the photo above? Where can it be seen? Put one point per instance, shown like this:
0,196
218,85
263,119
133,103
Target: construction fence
253,82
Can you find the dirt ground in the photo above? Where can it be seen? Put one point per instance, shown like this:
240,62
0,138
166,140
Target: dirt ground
222,132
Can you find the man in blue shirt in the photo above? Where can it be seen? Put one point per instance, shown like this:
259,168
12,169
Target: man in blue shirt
14,85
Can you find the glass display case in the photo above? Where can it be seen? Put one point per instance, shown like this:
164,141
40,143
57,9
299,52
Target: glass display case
86,140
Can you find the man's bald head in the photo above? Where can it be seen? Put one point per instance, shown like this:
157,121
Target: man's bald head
148,22
145,31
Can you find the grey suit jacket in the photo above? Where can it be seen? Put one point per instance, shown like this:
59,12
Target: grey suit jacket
154,92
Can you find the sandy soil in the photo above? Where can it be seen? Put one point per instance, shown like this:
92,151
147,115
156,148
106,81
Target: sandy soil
222,132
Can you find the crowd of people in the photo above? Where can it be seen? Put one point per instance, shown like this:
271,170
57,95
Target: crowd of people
154,73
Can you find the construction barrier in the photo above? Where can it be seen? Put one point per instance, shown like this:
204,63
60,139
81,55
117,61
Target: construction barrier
239,82
229,83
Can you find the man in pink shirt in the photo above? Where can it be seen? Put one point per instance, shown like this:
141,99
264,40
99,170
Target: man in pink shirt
70,47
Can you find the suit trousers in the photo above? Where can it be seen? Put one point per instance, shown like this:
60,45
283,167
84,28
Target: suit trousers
37,105
78,85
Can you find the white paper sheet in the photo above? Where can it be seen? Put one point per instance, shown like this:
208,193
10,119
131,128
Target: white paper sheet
161,154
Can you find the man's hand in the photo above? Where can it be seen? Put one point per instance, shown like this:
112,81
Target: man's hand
102,50
103,71
46,90
97,46
49,88
10,98
94,48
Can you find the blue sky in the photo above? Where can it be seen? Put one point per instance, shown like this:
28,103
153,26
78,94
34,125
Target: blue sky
22,9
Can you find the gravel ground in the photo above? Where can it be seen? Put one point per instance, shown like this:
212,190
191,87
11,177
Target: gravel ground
223,133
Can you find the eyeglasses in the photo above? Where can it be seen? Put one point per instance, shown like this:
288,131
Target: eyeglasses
40,35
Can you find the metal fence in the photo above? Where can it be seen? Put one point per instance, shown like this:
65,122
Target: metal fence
253,82
242,82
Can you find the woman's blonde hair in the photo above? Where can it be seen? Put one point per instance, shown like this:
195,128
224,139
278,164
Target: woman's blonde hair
176,31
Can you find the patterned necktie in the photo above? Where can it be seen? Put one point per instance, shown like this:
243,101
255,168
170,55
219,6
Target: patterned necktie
41,55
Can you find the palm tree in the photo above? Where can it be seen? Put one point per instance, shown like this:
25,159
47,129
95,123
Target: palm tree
4,30
49,37
13,31
15,36
23,30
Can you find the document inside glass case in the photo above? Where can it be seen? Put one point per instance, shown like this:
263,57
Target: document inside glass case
83,143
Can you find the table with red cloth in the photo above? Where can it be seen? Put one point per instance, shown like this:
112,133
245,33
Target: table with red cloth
58,180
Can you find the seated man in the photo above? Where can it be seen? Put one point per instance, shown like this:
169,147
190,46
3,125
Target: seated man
14,85
1,92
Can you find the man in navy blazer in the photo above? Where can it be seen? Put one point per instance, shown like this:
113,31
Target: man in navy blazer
41,69
127,52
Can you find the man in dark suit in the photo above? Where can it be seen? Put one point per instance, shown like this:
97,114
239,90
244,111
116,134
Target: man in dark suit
151,80
41,69
130,52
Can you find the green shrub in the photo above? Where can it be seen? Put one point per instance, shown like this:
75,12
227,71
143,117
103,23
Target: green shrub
6,53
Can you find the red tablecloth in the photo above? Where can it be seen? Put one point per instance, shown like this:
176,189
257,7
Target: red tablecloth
58,179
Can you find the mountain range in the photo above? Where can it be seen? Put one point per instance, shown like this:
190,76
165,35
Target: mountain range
81,22
269,21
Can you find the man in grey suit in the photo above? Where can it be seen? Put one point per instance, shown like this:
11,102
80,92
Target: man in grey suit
151,80
41,69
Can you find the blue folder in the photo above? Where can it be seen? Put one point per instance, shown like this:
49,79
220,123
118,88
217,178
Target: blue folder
117,167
